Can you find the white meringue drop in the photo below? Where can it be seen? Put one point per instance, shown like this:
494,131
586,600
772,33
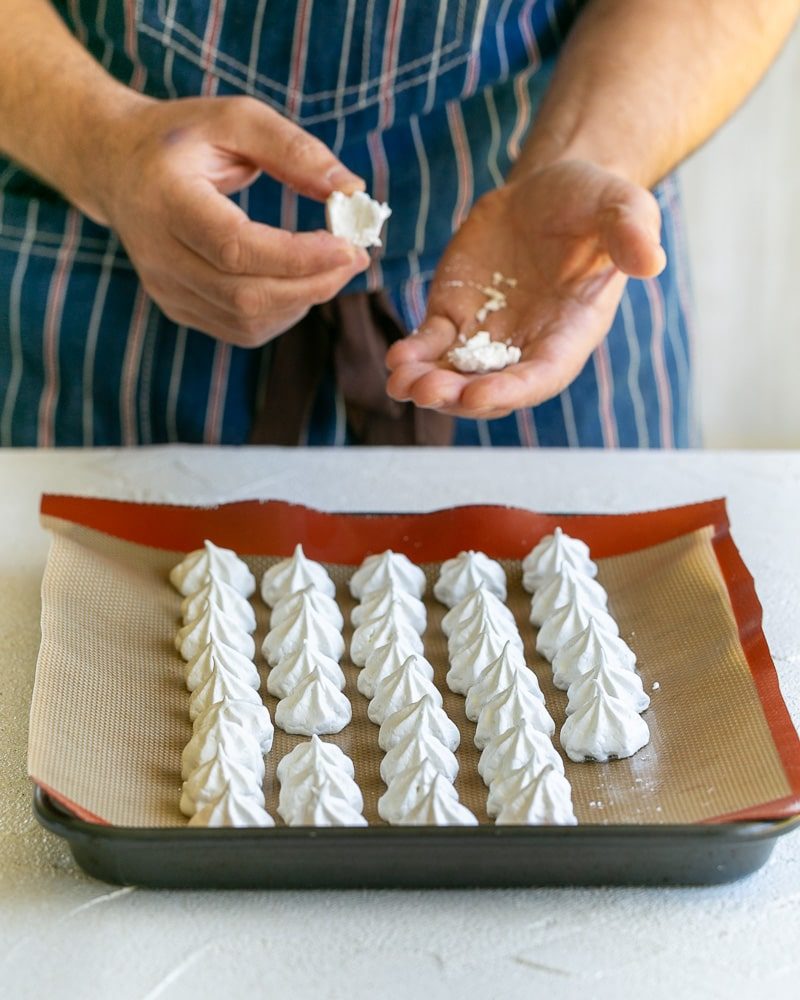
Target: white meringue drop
323,808
509,707
423,717
216,656
239,742
545,800
229,601
299,664
480,603
508,785
378,571
522,743
254,717
295,792
468,632
213,626
374,634
496,677
402,687
377,603
460,575
468,663
311,597
311,754
437,808
566,622
218,685
295,573
384,660
617,680
195,570
207,783
306,626
411,751
550,556
583,651
233,809
315,706
603,728
406,789
558,591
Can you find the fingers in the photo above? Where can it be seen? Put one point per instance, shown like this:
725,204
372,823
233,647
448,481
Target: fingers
428,344
285,151
630,223
220,232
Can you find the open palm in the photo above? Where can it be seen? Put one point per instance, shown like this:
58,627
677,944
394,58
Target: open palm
568,235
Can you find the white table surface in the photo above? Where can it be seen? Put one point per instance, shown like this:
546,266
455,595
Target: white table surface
65,935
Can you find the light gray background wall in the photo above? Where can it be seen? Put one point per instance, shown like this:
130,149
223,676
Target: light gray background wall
742,194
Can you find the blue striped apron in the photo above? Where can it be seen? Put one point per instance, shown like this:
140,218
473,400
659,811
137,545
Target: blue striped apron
430,103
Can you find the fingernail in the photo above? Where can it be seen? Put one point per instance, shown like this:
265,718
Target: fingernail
342,179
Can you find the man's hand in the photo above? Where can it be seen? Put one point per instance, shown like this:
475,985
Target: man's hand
162,185
568,234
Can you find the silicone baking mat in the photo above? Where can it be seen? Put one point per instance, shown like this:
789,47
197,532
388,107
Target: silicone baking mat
109,715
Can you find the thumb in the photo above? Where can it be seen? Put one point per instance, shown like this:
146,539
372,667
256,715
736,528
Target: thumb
285,151
630,226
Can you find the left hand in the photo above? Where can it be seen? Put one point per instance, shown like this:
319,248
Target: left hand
569,234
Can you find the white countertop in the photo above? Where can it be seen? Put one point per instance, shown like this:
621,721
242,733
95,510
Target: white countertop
65,935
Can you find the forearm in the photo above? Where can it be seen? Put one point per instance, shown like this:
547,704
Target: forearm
56,101
642,83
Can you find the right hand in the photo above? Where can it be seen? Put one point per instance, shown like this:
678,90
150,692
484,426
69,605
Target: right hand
165,175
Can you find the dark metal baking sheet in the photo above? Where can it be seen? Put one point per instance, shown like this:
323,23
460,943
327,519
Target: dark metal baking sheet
415,857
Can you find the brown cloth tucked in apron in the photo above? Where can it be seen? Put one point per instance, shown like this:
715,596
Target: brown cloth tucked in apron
354,331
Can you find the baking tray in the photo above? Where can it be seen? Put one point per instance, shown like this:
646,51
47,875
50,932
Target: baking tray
417,857
721,849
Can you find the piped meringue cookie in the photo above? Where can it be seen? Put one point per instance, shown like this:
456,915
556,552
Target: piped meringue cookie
411,751
379,571
583,651
373,634
437,808
468,663
356,217
508,785
402,687
378,602
314,707
551,555
314,599
567,621
424,718
218,685
603,728
468,632
295,792
616,679
289,672
479,604
253,717
459,576
323,808
233,809
522,744
295,573
509,707
213,625
217,657
311,754
196,569
384,660
496,677
239,742
208,782
225,597
545,800
406,789
306,626
558,591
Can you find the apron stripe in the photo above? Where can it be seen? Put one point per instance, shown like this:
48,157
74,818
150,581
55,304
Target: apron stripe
634,369
52,331
656,303
605,387
173,393
463,164
92,332
210,41
139,76
212,433
568,415
394,24
131,366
